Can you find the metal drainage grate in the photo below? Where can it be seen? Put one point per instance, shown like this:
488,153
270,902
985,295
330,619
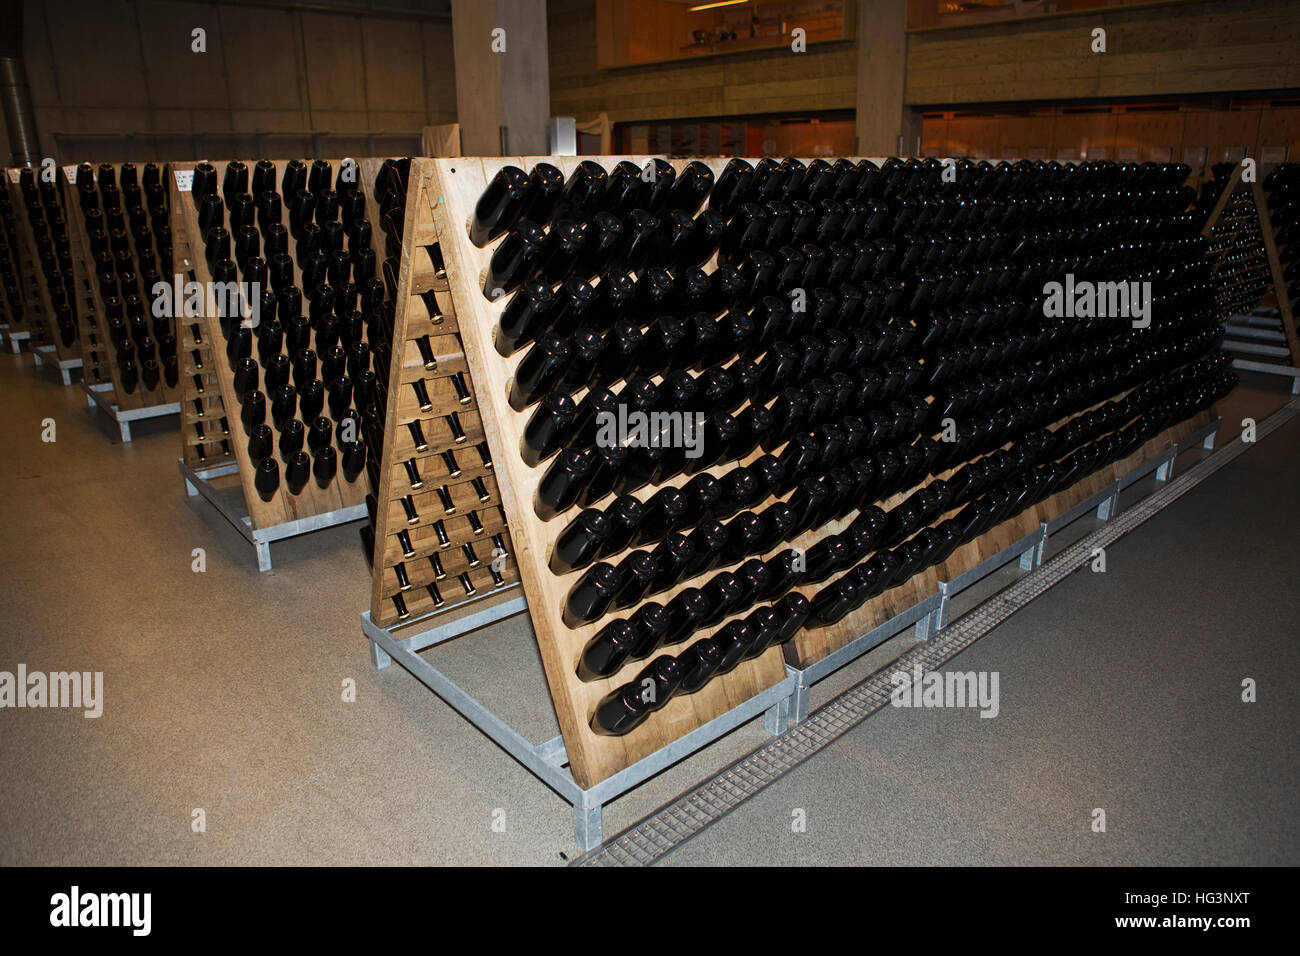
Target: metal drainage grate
673,824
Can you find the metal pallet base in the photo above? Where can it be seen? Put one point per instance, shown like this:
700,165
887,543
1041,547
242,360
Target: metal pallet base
1269,368
930,615
781,705
198,482
48,355
697,809
16,339
548,761
1261,326
95,395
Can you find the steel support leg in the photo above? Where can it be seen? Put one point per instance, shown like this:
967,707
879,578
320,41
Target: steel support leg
1165,470
263,555
923,628
1106,510
1027,558
799,703
125,429
936,620
776,717
379,657
586,826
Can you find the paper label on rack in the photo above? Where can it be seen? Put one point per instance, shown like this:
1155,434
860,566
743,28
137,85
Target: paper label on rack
71,173
13,175
184,180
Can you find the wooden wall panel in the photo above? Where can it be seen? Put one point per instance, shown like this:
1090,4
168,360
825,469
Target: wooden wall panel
1079,135
824,78
1140,133
1072,136
1199,47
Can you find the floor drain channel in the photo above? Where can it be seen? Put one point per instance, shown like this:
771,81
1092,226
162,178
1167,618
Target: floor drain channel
690,814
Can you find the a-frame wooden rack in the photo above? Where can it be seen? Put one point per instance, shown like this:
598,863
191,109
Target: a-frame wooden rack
451,191
45,264
125,397
1241,220
282,513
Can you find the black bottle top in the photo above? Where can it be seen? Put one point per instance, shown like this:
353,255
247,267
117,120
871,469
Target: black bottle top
607,651
499,206
590,597
624,190
699,663
685,611
544,185
547,428
526,317
561,484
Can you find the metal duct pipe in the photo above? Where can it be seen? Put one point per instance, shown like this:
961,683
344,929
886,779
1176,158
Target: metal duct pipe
20,118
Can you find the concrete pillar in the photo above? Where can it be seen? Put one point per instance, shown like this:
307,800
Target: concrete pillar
885,126
15,94
499,89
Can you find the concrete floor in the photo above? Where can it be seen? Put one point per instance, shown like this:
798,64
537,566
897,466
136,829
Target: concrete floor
224,693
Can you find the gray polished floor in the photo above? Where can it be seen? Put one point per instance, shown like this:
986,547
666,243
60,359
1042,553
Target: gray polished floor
224,693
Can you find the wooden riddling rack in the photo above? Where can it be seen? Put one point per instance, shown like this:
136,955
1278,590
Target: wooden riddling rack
108,297
227,431
431,559
455,185
1279,259
95,356
11,293
52,247
1236,245
201,404
1243,237
32,197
